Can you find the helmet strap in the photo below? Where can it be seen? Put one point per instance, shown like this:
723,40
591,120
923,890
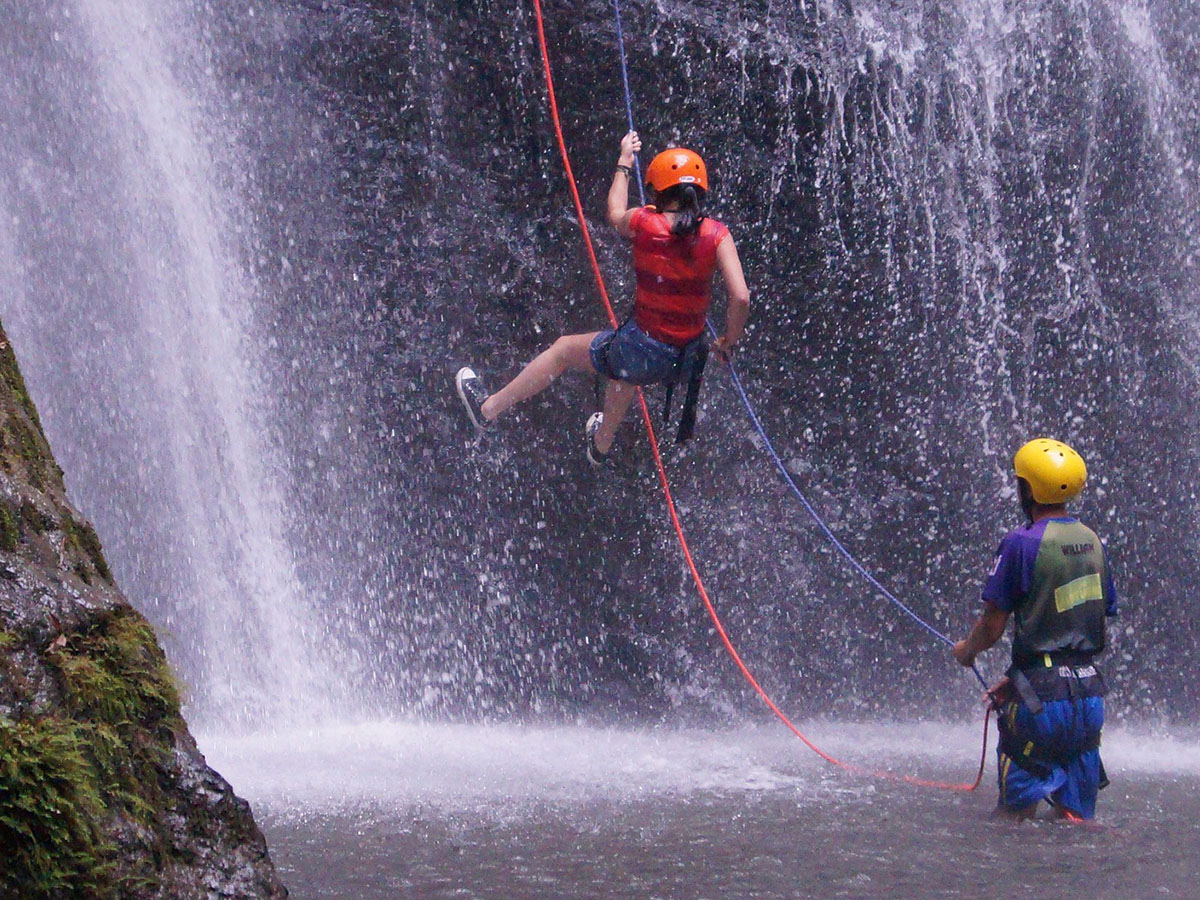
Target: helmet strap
1033,510
1025,494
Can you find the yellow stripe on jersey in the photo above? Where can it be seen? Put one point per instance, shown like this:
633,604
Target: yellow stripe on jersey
1077,592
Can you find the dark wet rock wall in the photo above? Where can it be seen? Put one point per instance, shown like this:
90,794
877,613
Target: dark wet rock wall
963,224
963,227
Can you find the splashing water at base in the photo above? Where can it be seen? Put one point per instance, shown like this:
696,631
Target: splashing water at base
393,809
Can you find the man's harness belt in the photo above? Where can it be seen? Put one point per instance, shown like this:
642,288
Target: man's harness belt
1038,685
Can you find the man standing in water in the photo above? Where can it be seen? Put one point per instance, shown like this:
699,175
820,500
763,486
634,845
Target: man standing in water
1052,574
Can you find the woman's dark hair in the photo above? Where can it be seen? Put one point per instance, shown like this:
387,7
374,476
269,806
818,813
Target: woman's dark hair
688,216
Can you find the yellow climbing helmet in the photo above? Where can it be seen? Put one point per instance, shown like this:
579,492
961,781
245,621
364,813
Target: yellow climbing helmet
1055,472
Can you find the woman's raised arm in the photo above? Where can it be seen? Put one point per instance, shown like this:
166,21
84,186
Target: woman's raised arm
618,193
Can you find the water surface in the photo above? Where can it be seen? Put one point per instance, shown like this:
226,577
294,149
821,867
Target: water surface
390,810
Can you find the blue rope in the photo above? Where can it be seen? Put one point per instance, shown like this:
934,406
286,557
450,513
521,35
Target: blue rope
737,382
871,579
637,165
816,517
787,476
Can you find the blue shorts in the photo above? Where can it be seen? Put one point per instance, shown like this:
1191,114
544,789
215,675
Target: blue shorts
629,354
1062,773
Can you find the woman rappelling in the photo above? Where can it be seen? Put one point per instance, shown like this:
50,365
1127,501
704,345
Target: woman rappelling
677,250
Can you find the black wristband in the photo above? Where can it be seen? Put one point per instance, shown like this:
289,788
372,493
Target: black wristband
626,169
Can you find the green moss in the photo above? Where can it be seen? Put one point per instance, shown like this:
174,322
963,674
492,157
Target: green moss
36,520
65,778
31,448
10,529
117,674
50,814
10,373
14,686
90,542
83,537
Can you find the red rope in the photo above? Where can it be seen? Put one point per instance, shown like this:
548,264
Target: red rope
666,487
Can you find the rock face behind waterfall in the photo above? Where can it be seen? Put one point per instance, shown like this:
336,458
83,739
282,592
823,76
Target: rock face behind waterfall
964,224
103,792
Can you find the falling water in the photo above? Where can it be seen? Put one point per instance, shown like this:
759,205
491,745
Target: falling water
268,231
243,247
133,319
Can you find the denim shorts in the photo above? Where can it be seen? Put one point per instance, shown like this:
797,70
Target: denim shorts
629,354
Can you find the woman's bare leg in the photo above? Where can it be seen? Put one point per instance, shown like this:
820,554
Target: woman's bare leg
617,397
568,352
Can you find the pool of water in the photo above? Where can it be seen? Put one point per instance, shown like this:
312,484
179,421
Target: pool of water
387,809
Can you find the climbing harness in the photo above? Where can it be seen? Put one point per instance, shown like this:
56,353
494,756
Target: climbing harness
689,370
629,354
661,470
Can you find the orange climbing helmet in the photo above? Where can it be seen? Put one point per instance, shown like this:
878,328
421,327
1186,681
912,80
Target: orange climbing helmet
676,166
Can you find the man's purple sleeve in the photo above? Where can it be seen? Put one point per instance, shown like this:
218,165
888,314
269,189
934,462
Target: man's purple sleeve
1005,585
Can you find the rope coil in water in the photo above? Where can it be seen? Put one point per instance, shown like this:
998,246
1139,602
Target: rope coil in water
662,473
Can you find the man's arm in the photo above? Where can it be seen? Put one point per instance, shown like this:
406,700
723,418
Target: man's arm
988,629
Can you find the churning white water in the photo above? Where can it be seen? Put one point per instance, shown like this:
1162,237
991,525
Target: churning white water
390,809
464,766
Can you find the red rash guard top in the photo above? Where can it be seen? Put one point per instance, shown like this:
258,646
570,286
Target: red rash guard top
674,276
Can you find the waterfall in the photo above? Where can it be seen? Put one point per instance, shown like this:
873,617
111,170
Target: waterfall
244,246
133,319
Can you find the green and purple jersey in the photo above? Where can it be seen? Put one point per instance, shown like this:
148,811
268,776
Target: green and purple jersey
1054,578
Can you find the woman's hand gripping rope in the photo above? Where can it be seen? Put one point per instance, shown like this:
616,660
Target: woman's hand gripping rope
631,146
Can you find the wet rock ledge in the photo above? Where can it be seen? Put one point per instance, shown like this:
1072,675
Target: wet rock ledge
103,793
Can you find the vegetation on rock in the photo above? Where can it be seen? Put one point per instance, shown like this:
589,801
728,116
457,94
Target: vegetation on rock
99,760
103,793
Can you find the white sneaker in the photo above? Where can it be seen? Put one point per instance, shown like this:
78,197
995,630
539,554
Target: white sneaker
472,393
594,456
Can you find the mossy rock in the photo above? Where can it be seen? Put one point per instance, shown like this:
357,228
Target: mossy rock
116,673
82,537
11,375
22,440
35,520
102,761
103,793
10,529
34,453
